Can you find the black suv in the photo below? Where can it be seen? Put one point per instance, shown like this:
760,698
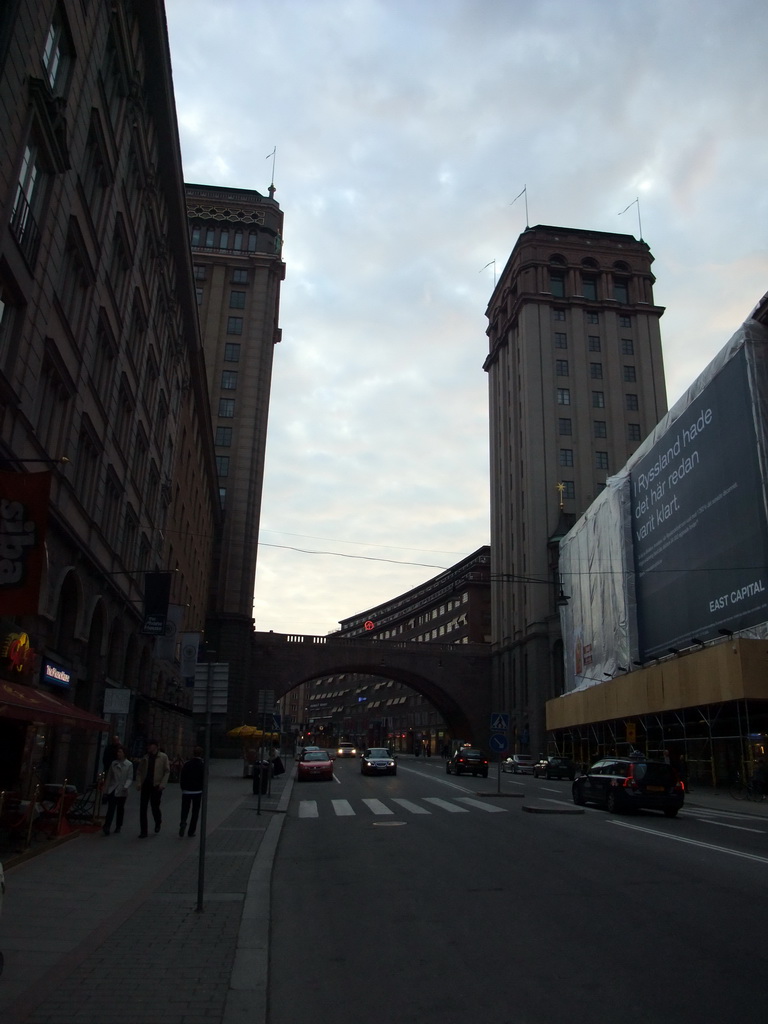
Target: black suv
468,760
628,783
555,768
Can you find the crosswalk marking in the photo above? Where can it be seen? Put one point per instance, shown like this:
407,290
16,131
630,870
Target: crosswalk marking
347,809
491,808
377,807
445,804
410,806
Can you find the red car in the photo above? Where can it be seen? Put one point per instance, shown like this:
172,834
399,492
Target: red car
314,764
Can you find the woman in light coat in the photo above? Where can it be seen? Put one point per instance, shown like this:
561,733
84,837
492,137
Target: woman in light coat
116,785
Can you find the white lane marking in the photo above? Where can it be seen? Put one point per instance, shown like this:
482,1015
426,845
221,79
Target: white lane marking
690,842
308,809
550,789
717,813
443,782
342,807
446,806
725,824
377,807
410,806
484,806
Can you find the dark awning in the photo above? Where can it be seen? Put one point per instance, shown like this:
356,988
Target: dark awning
33,705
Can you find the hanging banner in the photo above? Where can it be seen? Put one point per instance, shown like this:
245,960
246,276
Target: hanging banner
23,520
190,643
157,592
165,646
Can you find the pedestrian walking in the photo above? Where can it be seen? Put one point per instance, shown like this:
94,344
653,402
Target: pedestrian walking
116,785
152,778
110,753
191,780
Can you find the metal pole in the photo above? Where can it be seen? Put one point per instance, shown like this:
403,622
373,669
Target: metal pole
204,801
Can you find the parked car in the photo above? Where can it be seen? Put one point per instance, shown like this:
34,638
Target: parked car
314,764
629,783
378,761
555,768
346,750
519,764
302,751
467,760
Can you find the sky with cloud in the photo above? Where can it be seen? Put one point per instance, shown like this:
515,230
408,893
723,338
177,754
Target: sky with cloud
404,130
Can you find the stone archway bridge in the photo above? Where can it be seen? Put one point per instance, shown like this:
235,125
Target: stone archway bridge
455,678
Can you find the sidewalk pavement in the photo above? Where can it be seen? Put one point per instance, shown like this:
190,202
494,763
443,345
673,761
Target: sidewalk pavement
105,930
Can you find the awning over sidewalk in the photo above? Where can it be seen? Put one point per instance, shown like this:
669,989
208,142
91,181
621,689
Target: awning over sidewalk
33,705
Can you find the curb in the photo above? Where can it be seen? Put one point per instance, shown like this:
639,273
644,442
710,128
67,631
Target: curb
247,996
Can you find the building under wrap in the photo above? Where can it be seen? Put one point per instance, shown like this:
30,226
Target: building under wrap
670,561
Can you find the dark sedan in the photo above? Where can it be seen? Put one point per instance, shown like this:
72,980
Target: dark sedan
627,784
555,768
469,761
378,761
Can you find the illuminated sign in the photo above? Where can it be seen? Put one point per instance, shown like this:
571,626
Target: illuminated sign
55,675
17,650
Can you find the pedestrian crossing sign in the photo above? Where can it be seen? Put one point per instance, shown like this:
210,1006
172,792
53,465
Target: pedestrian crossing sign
499,722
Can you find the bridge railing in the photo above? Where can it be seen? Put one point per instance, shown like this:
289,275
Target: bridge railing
356,641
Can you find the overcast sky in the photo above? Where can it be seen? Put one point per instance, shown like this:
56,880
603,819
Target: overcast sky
404,130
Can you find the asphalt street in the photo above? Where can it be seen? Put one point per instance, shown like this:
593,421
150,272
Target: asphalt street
416,899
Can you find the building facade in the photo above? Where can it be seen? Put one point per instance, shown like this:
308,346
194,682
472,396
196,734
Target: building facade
236,238
102,383
576,381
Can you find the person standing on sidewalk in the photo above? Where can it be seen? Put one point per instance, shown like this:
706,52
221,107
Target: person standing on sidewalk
152,778
116,786
110,753
191,785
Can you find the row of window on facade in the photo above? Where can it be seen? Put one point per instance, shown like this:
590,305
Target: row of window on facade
566,458
629,372
599,428
592,284
632,402
418,620
239,275
231,240
592,317
594,343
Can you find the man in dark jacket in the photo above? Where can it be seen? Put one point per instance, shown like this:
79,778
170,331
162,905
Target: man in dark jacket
191,785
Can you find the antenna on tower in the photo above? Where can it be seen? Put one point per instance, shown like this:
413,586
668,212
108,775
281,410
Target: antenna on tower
639,222
523,193
272,185
491,264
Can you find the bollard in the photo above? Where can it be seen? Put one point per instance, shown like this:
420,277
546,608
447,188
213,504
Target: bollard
32,808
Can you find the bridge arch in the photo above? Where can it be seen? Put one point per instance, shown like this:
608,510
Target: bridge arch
454,678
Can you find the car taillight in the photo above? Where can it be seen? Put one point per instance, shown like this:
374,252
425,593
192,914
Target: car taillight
629,782
679,786
460,760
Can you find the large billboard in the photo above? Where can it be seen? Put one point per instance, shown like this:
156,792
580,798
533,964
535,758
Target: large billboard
698,520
